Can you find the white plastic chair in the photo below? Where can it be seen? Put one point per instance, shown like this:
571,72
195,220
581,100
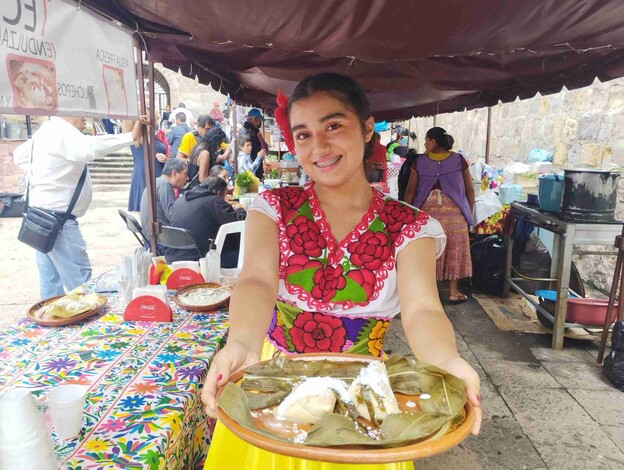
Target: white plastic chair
226,229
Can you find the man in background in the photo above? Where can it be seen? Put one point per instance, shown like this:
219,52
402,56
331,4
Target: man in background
174,137
174,176
55,158
251,131
181,109
190,139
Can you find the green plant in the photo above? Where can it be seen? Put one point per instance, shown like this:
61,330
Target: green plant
243,180
274,174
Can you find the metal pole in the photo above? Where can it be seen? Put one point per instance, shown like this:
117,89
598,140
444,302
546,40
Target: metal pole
151,153
488,135
28,126
152,229
234,137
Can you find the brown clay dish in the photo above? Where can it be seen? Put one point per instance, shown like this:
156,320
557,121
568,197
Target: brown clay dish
50,320
347,454
200,308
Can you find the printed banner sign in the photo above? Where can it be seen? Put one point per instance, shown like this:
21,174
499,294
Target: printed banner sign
59,59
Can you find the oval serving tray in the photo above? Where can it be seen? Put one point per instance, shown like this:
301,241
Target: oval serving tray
48,320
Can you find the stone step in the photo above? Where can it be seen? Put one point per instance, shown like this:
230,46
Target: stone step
110,170
111,181
112,161
110,187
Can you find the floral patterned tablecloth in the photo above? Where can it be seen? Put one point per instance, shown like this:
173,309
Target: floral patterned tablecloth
143,407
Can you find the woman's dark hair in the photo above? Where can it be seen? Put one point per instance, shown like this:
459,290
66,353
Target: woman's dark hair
443,140
342,88
214,184
211,142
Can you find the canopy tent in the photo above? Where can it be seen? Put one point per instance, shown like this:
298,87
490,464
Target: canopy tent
413,57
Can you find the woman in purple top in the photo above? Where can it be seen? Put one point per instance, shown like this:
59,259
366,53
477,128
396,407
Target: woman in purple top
440,184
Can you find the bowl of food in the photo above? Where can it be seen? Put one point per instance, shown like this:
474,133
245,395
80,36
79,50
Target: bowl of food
202,297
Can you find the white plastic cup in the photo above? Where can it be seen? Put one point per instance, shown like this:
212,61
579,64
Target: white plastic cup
19,416
66,406
202,268
33,454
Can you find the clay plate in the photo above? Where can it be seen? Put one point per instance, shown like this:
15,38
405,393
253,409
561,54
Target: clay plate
200,308
48,320
351,453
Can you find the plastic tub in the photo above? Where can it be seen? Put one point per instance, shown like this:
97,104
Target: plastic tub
550,192
588,311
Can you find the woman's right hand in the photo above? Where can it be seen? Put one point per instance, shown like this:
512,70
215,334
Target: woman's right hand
233,357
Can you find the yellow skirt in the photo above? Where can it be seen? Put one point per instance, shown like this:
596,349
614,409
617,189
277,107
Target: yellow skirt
229,451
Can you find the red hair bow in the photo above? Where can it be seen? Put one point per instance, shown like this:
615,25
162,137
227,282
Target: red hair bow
282,121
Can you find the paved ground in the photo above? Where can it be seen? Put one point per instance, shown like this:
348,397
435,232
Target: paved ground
543,409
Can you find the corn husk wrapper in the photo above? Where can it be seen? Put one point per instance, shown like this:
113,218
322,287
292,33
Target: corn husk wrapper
266,384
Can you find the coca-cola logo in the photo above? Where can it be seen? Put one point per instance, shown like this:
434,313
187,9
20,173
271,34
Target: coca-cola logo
185,278
148,306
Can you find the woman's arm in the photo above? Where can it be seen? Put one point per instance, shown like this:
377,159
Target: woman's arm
429,332
203,161
412,184
470,194
251,306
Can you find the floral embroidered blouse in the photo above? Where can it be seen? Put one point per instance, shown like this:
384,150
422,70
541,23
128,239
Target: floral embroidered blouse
338,296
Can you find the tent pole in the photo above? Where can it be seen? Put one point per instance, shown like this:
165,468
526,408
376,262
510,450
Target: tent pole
488,135
149,184
151,152
234,138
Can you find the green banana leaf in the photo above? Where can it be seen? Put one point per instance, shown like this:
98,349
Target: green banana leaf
448,393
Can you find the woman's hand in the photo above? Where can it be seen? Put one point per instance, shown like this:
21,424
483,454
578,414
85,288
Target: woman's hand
460,368
137,128
234,356
161,157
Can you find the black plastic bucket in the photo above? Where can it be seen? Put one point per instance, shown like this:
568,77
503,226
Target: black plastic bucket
589,195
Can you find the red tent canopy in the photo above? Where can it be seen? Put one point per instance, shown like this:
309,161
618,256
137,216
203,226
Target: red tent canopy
413,57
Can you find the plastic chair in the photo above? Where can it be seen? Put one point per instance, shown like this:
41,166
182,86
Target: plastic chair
178,238
226,229
135,227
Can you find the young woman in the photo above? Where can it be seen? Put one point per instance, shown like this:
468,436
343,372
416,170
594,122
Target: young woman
313,265
441,185
205,155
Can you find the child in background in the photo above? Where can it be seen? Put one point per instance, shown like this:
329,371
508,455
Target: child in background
244,157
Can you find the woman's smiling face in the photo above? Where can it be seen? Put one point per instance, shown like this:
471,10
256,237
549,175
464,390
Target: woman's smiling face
329,139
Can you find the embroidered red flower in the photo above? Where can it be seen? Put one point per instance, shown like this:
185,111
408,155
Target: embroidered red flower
370,251
300,262
291,199
365,278
316,332
395,216
305,237
327,281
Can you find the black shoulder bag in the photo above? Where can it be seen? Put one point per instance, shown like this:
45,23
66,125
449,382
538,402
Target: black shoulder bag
40,227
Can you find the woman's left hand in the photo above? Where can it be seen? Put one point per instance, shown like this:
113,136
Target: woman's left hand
460,368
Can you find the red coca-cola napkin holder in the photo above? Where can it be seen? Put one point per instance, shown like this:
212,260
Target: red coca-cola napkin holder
148,308
184,277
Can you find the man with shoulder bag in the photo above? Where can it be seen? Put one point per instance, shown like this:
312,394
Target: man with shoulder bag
59,191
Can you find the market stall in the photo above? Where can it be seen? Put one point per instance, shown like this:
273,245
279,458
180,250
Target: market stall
143,406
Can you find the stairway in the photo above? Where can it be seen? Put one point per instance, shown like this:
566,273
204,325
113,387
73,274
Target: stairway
112,172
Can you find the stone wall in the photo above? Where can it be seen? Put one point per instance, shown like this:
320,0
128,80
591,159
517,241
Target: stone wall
584,126
580,127
12,178
198,98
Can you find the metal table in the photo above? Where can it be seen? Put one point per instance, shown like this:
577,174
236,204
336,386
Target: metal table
567,234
